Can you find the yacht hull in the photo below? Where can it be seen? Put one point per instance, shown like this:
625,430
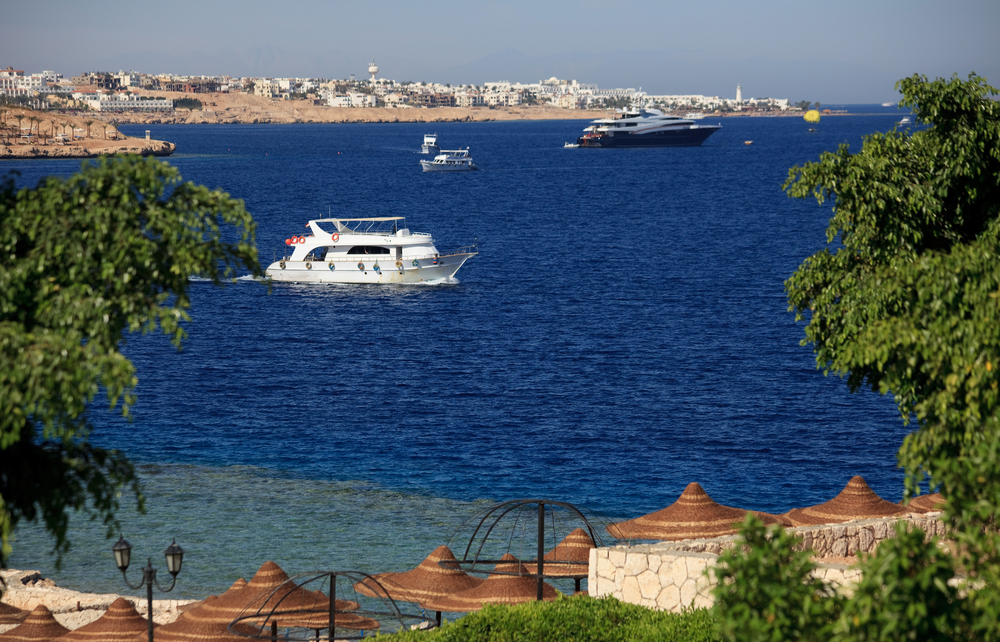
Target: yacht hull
362,270
688,137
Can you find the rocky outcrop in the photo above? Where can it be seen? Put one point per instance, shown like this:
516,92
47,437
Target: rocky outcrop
89,149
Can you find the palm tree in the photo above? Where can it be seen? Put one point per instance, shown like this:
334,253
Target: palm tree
35,120
19,118
88,123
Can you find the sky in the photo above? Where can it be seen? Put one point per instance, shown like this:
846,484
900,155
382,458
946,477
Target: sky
841,52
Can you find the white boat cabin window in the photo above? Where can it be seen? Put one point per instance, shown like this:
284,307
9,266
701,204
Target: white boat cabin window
368,249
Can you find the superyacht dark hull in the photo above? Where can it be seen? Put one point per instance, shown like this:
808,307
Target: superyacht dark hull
686,137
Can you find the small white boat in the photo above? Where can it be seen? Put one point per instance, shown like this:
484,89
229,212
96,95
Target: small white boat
905,121
570,145
430,145
450,160
365,250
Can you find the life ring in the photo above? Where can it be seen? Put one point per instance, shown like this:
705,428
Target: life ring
281,265
399,265
376,267
361,266
309,266
302,239
335,237
332,267
416,263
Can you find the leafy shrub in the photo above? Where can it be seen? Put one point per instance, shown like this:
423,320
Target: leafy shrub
573,619
766,591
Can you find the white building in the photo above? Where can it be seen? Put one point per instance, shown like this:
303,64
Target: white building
123,102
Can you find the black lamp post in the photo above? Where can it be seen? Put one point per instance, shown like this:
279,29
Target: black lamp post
123,555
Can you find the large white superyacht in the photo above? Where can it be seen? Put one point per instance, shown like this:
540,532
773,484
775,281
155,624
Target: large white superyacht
645,128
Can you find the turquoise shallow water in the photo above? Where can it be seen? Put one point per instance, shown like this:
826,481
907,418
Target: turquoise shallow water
622,333
230,520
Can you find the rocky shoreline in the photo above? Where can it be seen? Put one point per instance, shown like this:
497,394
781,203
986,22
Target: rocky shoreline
88,149
73,609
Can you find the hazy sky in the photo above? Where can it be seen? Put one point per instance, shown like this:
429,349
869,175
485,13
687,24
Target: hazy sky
848,51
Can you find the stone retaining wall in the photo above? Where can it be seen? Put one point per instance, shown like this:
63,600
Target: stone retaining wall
672,575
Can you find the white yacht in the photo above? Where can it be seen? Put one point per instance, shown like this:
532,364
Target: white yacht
645,128
430,145
365,250
450,160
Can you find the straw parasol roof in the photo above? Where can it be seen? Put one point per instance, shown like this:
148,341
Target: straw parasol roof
237,585
120,623
501,588
11,614
39,626
433,579
856,501
575,547
927,503
265,591
694,515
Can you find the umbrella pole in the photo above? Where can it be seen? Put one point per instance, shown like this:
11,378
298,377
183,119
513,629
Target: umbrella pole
333,603
438,618
541,548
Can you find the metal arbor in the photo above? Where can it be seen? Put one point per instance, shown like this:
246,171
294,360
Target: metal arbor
307,614
525,528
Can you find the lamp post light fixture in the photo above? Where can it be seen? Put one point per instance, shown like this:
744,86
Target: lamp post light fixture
123,555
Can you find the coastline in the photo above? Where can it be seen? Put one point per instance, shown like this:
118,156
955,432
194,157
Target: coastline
73,609
88,149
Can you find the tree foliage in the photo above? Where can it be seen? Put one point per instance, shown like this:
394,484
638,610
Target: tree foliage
83,261
906,300
766,591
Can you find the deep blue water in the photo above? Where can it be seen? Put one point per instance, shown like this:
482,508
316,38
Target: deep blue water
622,333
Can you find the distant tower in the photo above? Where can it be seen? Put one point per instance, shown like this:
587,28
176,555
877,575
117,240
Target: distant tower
373,69
739,94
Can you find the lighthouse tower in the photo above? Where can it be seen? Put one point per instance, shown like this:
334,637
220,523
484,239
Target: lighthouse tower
739,94
373,69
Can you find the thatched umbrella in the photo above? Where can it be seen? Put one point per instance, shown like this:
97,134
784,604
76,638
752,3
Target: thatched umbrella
856,501
120,623
926,503
11,614
237,585
694,515
510,583
575,547
437,577
268,589
39,626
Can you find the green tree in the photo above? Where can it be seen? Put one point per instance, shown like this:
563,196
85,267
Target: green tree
906,300
766,591
84,260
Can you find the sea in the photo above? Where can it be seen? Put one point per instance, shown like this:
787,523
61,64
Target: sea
622,332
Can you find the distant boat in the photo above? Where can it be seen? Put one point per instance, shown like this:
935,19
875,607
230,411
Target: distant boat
888,104
570,145
748,142
905,121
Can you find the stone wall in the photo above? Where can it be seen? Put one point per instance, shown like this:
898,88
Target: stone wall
672,575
